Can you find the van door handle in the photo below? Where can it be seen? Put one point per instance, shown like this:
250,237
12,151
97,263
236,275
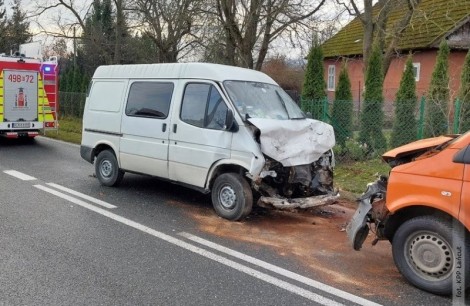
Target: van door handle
174,128
164,127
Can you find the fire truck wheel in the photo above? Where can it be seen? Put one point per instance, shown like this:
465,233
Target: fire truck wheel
107,169
427,252
232,197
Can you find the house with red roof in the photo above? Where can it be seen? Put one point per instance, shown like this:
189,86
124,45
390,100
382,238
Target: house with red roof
432,21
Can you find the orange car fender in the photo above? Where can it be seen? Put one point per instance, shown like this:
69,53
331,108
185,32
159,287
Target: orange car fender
406,190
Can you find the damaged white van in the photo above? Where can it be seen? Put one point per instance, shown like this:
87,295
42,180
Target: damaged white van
226,130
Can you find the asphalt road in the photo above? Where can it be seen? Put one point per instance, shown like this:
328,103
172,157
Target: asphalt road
66,240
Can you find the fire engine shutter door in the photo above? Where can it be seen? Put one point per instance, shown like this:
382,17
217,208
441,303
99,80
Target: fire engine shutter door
20,95
44,108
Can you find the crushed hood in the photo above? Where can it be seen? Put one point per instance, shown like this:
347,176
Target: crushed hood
416,146
294,142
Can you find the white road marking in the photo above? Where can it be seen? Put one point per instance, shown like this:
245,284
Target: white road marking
83,196
315,284
239,267
19,175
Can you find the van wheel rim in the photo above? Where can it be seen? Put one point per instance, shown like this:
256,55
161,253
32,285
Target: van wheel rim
227,197
106,168
430,255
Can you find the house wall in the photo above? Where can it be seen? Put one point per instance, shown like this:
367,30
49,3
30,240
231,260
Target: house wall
426,60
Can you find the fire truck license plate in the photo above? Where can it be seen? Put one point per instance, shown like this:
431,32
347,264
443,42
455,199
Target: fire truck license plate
21,125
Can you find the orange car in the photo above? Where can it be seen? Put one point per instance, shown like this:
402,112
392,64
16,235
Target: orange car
423,209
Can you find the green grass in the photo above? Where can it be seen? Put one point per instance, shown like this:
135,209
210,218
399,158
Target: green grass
351,177
70,130
354,176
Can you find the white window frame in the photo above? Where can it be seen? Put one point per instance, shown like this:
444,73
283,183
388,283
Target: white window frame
331,81
416,66
418,71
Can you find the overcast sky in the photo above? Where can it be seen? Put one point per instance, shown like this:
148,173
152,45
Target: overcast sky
49,20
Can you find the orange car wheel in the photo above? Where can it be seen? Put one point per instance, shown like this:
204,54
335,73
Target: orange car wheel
426,252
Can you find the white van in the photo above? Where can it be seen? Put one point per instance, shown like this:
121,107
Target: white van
226,130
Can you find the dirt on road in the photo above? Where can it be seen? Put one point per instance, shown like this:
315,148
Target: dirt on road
316,239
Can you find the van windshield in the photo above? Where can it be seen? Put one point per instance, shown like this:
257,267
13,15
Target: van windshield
261,100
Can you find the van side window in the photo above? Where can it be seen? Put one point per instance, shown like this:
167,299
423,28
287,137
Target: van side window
149,99
203,107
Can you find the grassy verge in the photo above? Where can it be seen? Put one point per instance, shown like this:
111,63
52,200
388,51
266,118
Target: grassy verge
351,177
70,130
354,176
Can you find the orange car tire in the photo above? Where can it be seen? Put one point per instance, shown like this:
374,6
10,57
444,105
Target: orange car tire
426,252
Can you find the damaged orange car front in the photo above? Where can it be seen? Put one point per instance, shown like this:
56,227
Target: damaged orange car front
423,209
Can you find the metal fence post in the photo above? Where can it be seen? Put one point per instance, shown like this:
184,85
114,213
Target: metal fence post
325,109
457,116
303,105
421,118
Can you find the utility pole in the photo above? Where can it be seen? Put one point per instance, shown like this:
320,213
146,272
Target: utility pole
74,49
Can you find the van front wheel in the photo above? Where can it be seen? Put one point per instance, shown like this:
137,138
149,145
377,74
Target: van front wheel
232,197
426,251
107,169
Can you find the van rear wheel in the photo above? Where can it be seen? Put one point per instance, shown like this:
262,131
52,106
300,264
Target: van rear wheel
107,169
232,197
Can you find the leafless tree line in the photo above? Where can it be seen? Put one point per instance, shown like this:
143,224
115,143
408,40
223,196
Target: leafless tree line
236,32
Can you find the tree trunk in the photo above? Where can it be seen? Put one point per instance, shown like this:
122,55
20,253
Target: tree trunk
119,31
398,31
368,24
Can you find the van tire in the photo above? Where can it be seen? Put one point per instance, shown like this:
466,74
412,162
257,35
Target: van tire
107,169
424,252
232,197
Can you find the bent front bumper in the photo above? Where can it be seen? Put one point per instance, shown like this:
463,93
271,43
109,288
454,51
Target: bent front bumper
368,211
358,229
284,203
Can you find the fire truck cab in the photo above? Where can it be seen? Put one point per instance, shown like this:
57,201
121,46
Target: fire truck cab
28,96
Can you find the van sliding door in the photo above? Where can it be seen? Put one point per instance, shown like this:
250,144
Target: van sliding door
145,128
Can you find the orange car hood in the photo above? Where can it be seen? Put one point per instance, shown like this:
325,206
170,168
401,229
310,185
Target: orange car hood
416,146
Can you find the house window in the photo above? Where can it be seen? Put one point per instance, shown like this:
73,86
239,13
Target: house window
331,77
416,70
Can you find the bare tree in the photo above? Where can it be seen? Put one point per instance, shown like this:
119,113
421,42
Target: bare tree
169,24
57,48
60,26
374,21
251,26
78,12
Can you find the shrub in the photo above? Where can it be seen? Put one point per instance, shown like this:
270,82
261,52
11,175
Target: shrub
372,115
437,103
313,91
464,95
353,150
404,126
342,107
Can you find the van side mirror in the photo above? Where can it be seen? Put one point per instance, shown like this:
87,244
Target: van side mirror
308,115
230,124
462,156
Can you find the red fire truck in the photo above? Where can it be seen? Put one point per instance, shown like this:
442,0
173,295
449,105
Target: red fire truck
28,96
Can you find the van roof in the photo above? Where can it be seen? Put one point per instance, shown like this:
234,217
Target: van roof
206,71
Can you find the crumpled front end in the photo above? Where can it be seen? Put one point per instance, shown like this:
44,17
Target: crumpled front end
371,212
301,186
298,172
